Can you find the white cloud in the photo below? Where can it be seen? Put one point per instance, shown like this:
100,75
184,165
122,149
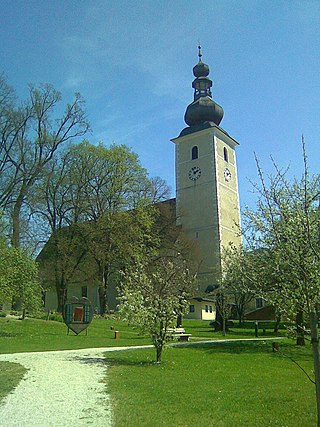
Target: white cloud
73,82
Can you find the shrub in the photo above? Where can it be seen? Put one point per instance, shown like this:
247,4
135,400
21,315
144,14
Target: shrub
56,317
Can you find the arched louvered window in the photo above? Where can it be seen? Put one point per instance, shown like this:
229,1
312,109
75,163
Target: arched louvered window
194,153
225,154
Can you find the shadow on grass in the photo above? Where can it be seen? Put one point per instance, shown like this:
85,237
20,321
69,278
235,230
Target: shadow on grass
90,360
10,334
286,348
131,357
129,362
232,347
249,332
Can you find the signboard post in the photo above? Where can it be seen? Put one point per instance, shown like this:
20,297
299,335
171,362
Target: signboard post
77,314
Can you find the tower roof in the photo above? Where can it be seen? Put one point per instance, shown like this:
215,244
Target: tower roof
203,109
201,69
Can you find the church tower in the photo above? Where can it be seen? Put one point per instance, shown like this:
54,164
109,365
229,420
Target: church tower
207,197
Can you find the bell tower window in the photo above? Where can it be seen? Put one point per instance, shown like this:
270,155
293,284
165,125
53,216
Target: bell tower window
194,153
225,154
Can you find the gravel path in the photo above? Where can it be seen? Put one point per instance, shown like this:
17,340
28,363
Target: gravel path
61,388
64,388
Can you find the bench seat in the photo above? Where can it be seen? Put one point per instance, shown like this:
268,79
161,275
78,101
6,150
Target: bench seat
178,333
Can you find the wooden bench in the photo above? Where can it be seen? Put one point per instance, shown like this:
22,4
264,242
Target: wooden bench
178,333
184,337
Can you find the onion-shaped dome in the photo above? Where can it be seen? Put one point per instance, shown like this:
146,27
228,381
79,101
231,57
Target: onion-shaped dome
201,69
203,108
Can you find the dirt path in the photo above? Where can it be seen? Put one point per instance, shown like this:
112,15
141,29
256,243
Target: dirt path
61,388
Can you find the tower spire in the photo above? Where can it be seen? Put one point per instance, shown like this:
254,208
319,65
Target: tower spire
199,53
203,109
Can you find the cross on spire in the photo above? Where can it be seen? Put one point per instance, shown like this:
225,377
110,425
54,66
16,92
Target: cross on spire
199,53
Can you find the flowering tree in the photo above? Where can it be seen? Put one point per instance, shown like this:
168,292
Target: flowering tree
234,279
283,237
154,293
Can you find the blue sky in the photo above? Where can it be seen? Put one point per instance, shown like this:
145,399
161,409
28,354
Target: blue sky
132,62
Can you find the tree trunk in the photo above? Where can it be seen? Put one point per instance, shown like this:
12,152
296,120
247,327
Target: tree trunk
299,325
277,324
240,312
316,358
158,353
102,300
179,320
15,239
224,326
220,321
103,290
62,296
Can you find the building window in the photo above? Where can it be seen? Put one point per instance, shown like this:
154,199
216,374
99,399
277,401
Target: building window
225,154
210,308
84,291
259,302
191,308
207,309
194,153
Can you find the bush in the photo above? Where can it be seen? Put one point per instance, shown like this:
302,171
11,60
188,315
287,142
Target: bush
56,317
43,315
2,314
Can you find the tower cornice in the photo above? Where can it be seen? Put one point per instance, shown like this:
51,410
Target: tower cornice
194,132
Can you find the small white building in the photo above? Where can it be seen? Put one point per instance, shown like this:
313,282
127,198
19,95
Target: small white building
201,309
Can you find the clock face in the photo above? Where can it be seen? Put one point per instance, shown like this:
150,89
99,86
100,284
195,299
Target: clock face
194,173
227,174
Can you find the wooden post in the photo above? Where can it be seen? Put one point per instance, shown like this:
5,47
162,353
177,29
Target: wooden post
316,357
256,329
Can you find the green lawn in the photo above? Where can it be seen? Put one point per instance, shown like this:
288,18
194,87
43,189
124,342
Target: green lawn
41,335
221,384
10,375
201,330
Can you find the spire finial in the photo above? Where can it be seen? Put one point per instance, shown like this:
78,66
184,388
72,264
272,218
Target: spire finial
203,109
199,52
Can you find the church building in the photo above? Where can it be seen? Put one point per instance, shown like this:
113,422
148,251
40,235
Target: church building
207,197
206,208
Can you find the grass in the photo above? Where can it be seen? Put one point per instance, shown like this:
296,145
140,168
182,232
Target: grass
201,330
221,384
41,335
10,376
